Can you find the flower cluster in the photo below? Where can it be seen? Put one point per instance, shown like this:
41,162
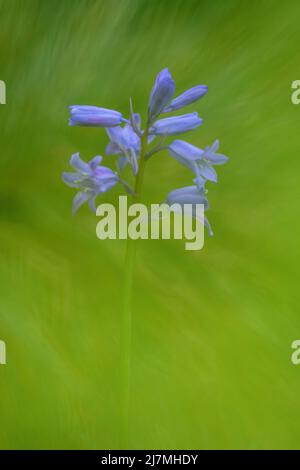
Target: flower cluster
132,145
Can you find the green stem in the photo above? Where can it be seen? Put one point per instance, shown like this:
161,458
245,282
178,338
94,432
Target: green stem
126,323
140,175
160,146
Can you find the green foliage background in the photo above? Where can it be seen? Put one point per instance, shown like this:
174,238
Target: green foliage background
212,329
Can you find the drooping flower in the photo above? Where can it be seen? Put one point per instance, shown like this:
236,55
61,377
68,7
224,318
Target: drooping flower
93,116
125,143
90,178
186,98
161,94
176,125
190,195
198,160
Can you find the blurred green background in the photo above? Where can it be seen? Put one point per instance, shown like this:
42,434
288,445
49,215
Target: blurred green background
212,330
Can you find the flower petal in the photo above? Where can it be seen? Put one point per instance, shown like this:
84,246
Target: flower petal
95,162
176,125
200,182
135,119
122,161
92,203
78,200
181,150
187,195
71,179
115,134
161,94
211,155
94,116
186,98
134,162
208,226
106,185
79,164
218,159
102,173
113,149
208,172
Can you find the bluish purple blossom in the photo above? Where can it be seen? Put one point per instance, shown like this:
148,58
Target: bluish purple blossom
186,98
90,178
93,116
161,94
176,125
130,144
126,143
198,160
190,195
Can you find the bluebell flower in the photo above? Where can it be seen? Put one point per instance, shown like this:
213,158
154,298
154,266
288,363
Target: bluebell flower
90,178
161,94
186,98
94,117
176,125
198,160
125,143
190,195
